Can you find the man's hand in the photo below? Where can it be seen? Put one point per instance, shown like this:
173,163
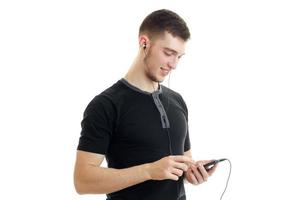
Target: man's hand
170,167
196,174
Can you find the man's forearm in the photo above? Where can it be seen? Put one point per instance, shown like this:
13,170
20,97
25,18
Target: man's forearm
98,180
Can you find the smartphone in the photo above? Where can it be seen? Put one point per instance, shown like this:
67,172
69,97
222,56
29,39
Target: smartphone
211,164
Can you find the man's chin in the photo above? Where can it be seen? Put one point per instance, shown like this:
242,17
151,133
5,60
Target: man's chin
157,79
160,80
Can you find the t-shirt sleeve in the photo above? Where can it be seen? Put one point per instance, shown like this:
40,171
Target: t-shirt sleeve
97,126
187,143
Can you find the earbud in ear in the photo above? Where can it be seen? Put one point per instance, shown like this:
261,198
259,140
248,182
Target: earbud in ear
144,45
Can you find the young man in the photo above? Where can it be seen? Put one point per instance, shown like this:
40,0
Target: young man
140,126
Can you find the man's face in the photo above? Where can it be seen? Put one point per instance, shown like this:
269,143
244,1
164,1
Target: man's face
163,56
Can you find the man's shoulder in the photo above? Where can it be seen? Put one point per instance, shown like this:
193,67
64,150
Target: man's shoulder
112,92
171,93
175,97
110,95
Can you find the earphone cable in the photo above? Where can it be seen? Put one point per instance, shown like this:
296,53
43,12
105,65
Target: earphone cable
230,167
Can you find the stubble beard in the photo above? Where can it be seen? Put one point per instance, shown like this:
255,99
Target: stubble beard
148,72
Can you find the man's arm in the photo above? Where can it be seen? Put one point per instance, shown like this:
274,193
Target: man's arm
90,178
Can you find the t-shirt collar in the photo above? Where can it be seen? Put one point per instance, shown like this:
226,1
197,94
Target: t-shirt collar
156,92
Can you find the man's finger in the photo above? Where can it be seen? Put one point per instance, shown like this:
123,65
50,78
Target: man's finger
181,166
185,159
177,172
203,172
194,179
197,174
173,177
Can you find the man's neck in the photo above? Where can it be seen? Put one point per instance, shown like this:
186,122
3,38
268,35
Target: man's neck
137,77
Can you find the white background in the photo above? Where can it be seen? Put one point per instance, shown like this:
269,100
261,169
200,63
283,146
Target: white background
239,78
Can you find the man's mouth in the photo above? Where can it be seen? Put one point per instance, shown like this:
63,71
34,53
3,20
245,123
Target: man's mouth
164,70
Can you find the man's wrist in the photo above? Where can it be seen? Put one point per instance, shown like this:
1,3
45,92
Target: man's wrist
145,170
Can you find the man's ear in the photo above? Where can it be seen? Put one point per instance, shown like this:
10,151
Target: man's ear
143,41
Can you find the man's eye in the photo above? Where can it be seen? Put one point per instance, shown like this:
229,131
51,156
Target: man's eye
167,54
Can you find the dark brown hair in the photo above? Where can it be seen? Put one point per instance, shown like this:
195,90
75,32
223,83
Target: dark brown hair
157,22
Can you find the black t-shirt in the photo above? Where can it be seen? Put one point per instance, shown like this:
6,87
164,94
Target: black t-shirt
132,127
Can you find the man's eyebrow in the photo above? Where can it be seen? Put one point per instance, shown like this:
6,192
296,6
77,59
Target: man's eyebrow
173,51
